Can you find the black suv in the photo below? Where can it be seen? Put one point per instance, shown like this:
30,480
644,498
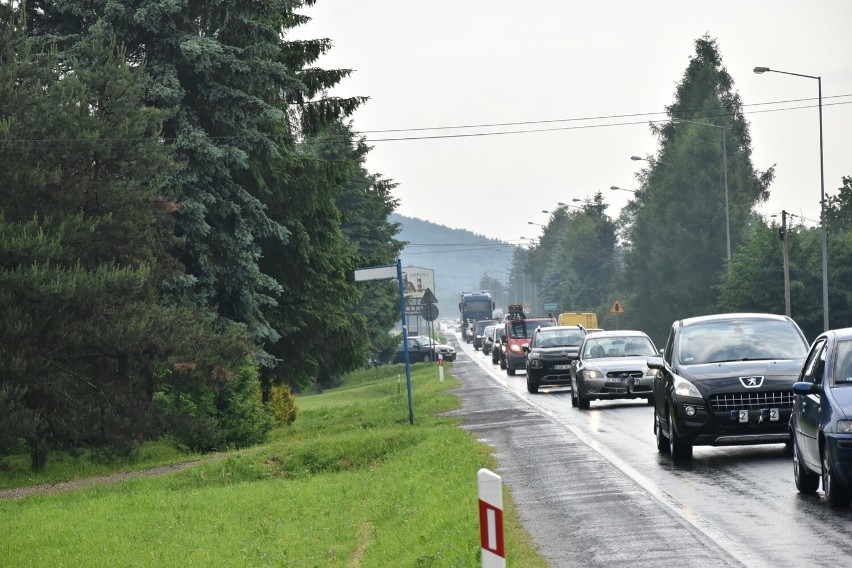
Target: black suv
550,353
726,379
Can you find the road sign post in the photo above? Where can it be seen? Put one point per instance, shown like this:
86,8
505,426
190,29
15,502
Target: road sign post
388,273
440,367
491,519
616,309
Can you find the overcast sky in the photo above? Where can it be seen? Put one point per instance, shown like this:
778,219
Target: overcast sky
441,63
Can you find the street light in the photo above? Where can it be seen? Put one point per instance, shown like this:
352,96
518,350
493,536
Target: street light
615,187
649,160
725,162
759,71
539,224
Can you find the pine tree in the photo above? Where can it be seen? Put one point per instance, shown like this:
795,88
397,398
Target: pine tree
677,238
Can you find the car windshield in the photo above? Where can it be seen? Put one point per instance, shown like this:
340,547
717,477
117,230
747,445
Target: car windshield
562,338
629,346
843,369
481,325
740,340
523,329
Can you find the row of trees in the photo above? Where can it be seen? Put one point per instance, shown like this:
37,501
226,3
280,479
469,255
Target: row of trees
183,207
665,257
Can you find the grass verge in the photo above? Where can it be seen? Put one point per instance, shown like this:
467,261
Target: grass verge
351,483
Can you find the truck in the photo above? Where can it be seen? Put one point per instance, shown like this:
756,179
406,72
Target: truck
474,306
589,320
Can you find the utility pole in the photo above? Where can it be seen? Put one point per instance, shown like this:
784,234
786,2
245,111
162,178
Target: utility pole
786,263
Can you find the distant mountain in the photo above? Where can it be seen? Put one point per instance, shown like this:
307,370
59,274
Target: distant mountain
458,257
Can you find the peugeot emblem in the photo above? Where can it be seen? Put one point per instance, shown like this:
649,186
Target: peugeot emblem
751,382
564,354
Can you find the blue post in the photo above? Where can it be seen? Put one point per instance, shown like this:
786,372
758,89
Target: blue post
405,339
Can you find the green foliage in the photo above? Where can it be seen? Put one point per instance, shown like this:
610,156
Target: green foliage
676,232
283,404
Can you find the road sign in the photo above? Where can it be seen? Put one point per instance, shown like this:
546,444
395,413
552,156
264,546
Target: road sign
428,297
616,308
375,273
429,311
550,306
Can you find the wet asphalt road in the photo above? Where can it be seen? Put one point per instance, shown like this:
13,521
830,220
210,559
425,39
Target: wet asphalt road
593,490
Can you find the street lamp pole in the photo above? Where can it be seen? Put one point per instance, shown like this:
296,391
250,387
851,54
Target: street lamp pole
760,70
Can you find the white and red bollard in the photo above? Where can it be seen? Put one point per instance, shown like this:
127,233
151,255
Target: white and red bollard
491,519
441,367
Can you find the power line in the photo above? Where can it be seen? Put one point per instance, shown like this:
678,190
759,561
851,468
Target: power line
582,127
578,119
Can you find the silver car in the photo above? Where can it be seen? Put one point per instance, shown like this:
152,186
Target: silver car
613,364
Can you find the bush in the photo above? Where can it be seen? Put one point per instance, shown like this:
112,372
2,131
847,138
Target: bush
283,404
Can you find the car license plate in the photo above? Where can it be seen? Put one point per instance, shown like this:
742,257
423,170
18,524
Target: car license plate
561,367
743,416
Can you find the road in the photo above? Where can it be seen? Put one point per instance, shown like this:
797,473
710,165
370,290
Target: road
593,490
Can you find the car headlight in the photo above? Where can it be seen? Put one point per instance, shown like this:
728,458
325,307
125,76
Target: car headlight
682,387
515,348
653,373
844,426
592,374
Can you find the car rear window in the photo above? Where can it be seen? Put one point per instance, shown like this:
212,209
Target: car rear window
740,340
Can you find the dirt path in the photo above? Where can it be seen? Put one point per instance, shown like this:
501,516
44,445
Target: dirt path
75,484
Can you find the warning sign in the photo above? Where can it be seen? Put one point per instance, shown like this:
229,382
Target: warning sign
616,308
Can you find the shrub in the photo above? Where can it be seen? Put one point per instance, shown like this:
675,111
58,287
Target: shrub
283,404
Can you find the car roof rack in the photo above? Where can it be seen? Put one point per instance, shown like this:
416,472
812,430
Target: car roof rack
516,312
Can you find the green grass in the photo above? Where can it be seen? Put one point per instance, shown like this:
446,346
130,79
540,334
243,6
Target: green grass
350,483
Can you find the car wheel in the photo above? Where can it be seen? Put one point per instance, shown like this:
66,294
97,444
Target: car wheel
806,480
678,449
502,363
582,401
662,442
426,357
510,371
836,493
494,360
650,401
573,397
532,386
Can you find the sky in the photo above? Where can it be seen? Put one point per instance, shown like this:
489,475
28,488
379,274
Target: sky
547,63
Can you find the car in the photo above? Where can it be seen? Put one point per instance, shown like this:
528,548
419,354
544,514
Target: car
479,332
611,365
515,337
550,354
726,379
422,348
488,335
821,423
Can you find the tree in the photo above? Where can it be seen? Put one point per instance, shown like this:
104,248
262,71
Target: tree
86,341
677,238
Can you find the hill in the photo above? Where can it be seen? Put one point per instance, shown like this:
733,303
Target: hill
458,257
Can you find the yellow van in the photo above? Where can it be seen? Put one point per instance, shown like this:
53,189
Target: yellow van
589,320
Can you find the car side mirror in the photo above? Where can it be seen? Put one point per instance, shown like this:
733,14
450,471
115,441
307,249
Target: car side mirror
526,348
503,338
805,388
655,363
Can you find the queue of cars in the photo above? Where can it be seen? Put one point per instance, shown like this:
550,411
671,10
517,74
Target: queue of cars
725,379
